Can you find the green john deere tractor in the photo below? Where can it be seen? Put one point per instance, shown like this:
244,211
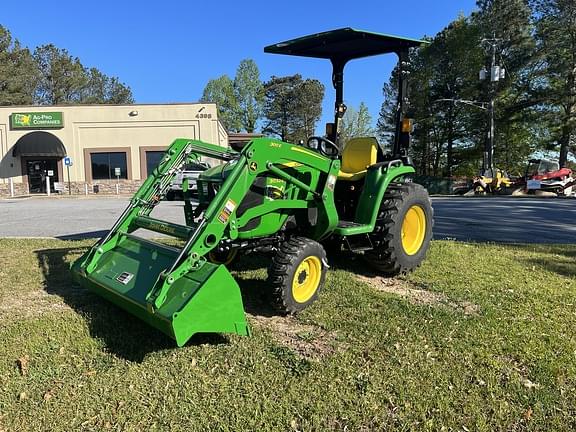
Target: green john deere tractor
273,196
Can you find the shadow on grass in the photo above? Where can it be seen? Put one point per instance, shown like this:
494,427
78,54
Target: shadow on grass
251,261
255,296
351,262
255,291
560,259
122,334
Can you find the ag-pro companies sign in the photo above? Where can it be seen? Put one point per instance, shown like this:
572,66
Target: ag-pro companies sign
36,120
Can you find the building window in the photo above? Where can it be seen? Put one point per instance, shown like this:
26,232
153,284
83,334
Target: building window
153,159
104,165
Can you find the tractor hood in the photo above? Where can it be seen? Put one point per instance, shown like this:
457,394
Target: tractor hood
218,173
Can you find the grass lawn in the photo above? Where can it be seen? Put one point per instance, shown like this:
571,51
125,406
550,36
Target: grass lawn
481,337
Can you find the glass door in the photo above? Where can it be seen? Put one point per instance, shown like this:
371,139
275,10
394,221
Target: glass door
38,170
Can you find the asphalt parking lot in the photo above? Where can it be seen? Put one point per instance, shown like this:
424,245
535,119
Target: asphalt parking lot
505,219
491,219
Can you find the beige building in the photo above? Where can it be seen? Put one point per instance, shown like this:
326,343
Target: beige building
105,145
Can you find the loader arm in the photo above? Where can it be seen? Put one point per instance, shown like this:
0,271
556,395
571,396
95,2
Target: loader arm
152,190
178,290
261,156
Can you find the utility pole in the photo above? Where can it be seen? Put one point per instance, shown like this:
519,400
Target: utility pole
496,74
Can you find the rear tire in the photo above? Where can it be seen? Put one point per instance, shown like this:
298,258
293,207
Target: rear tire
297,274
403,230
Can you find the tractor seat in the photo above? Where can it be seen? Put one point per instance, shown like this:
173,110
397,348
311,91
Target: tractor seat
357,156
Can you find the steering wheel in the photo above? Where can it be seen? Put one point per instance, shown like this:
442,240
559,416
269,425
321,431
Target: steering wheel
323,146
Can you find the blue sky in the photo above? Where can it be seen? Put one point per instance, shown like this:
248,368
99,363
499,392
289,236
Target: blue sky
167,51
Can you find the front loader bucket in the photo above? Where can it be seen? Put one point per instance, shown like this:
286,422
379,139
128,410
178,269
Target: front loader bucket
205,300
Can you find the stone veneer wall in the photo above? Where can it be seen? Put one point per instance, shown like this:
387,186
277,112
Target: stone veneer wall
19,189
99,187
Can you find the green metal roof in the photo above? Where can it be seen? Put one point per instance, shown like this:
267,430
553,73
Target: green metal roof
343,44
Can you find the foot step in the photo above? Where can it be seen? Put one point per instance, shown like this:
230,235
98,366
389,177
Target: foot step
358,243
348,224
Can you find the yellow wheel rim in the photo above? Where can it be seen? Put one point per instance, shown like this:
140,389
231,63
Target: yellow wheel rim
413,230
306,279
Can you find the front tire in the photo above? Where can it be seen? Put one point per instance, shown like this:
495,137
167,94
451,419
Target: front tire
297,274
403,230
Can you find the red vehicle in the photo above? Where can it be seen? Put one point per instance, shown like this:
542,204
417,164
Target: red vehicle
546,175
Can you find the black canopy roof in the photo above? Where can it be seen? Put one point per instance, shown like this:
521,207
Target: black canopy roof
343,44
39,144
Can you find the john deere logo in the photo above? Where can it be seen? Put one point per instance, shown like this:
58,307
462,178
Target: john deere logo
37,120
253,166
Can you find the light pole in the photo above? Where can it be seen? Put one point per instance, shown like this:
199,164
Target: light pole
496,74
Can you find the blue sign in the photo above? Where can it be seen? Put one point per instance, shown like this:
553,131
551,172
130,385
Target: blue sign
68,161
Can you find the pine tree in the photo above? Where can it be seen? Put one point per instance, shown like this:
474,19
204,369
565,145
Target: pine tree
556,36
292,107
249,93
510,22
443,71
17,71
102,89
62,79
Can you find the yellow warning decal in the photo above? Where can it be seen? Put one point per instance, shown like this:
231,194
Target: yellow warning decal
309,153
229,207
290,164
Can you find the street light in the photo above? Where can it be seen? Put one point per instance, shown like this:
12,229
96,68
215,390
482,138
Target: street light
475,104
496,74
